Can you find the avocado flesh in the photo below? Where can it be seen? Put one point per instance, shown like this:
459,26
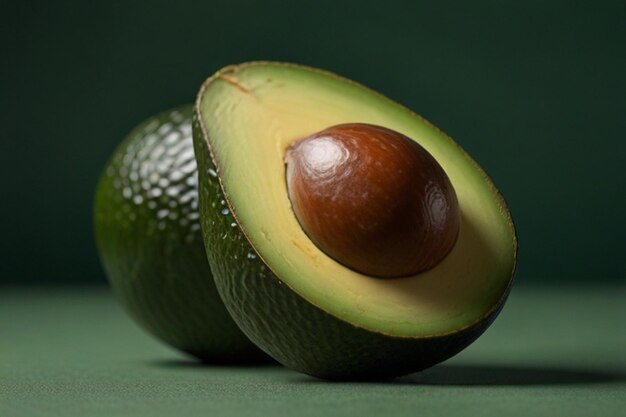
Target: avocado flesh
247,117
148,235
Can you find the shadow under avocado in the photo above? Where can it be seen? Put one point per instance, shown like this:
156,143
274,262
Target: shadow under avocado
503,375
495,375
191,363
441,375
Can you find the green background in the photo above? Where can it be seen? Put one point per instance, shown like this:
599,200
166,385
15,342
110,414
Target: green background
534,90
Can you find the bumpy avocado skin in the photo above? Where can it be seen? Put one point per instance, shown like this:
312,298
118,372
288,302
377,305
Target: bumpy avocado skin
148,235
290,329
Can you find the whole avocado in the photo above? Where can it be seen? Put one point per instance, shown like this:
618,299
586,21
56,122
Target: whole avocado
148,235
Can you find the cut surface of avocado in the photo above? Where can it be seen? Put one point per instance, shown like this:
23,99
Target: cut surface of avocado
251,114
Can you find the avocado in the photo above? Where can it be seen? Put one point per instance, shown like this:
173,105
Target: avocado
308,311
148,235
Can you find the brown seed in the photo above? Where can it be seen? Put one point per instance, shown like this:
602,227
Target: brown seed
372,199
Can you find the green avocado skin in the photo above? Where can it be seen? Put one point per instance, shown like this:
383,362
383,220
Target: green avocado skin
148,235
293,331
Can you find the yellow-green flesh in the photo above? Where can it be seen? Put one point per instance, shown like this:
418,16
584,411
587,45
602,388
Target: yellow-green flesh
261,110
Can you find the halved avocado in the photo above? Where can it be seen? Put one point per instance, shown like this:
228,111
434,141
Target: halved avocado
148,234
305,309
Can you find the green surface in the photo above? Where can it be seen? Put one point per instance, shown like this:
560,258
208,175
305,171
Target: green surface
72,352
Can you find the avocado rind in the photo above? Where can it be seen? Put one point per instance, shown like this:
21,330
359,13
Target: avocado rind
148,236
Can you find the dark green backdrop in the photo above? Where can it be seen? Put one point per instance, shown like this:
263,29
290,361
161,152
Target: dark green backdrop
534,90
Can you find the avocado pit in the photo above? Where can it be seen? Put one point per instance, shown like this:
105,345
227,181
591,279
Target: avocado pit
372,199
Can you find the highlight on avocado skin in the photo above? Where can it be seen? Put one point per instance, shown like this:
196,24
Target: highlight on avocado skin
148,235
295,300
